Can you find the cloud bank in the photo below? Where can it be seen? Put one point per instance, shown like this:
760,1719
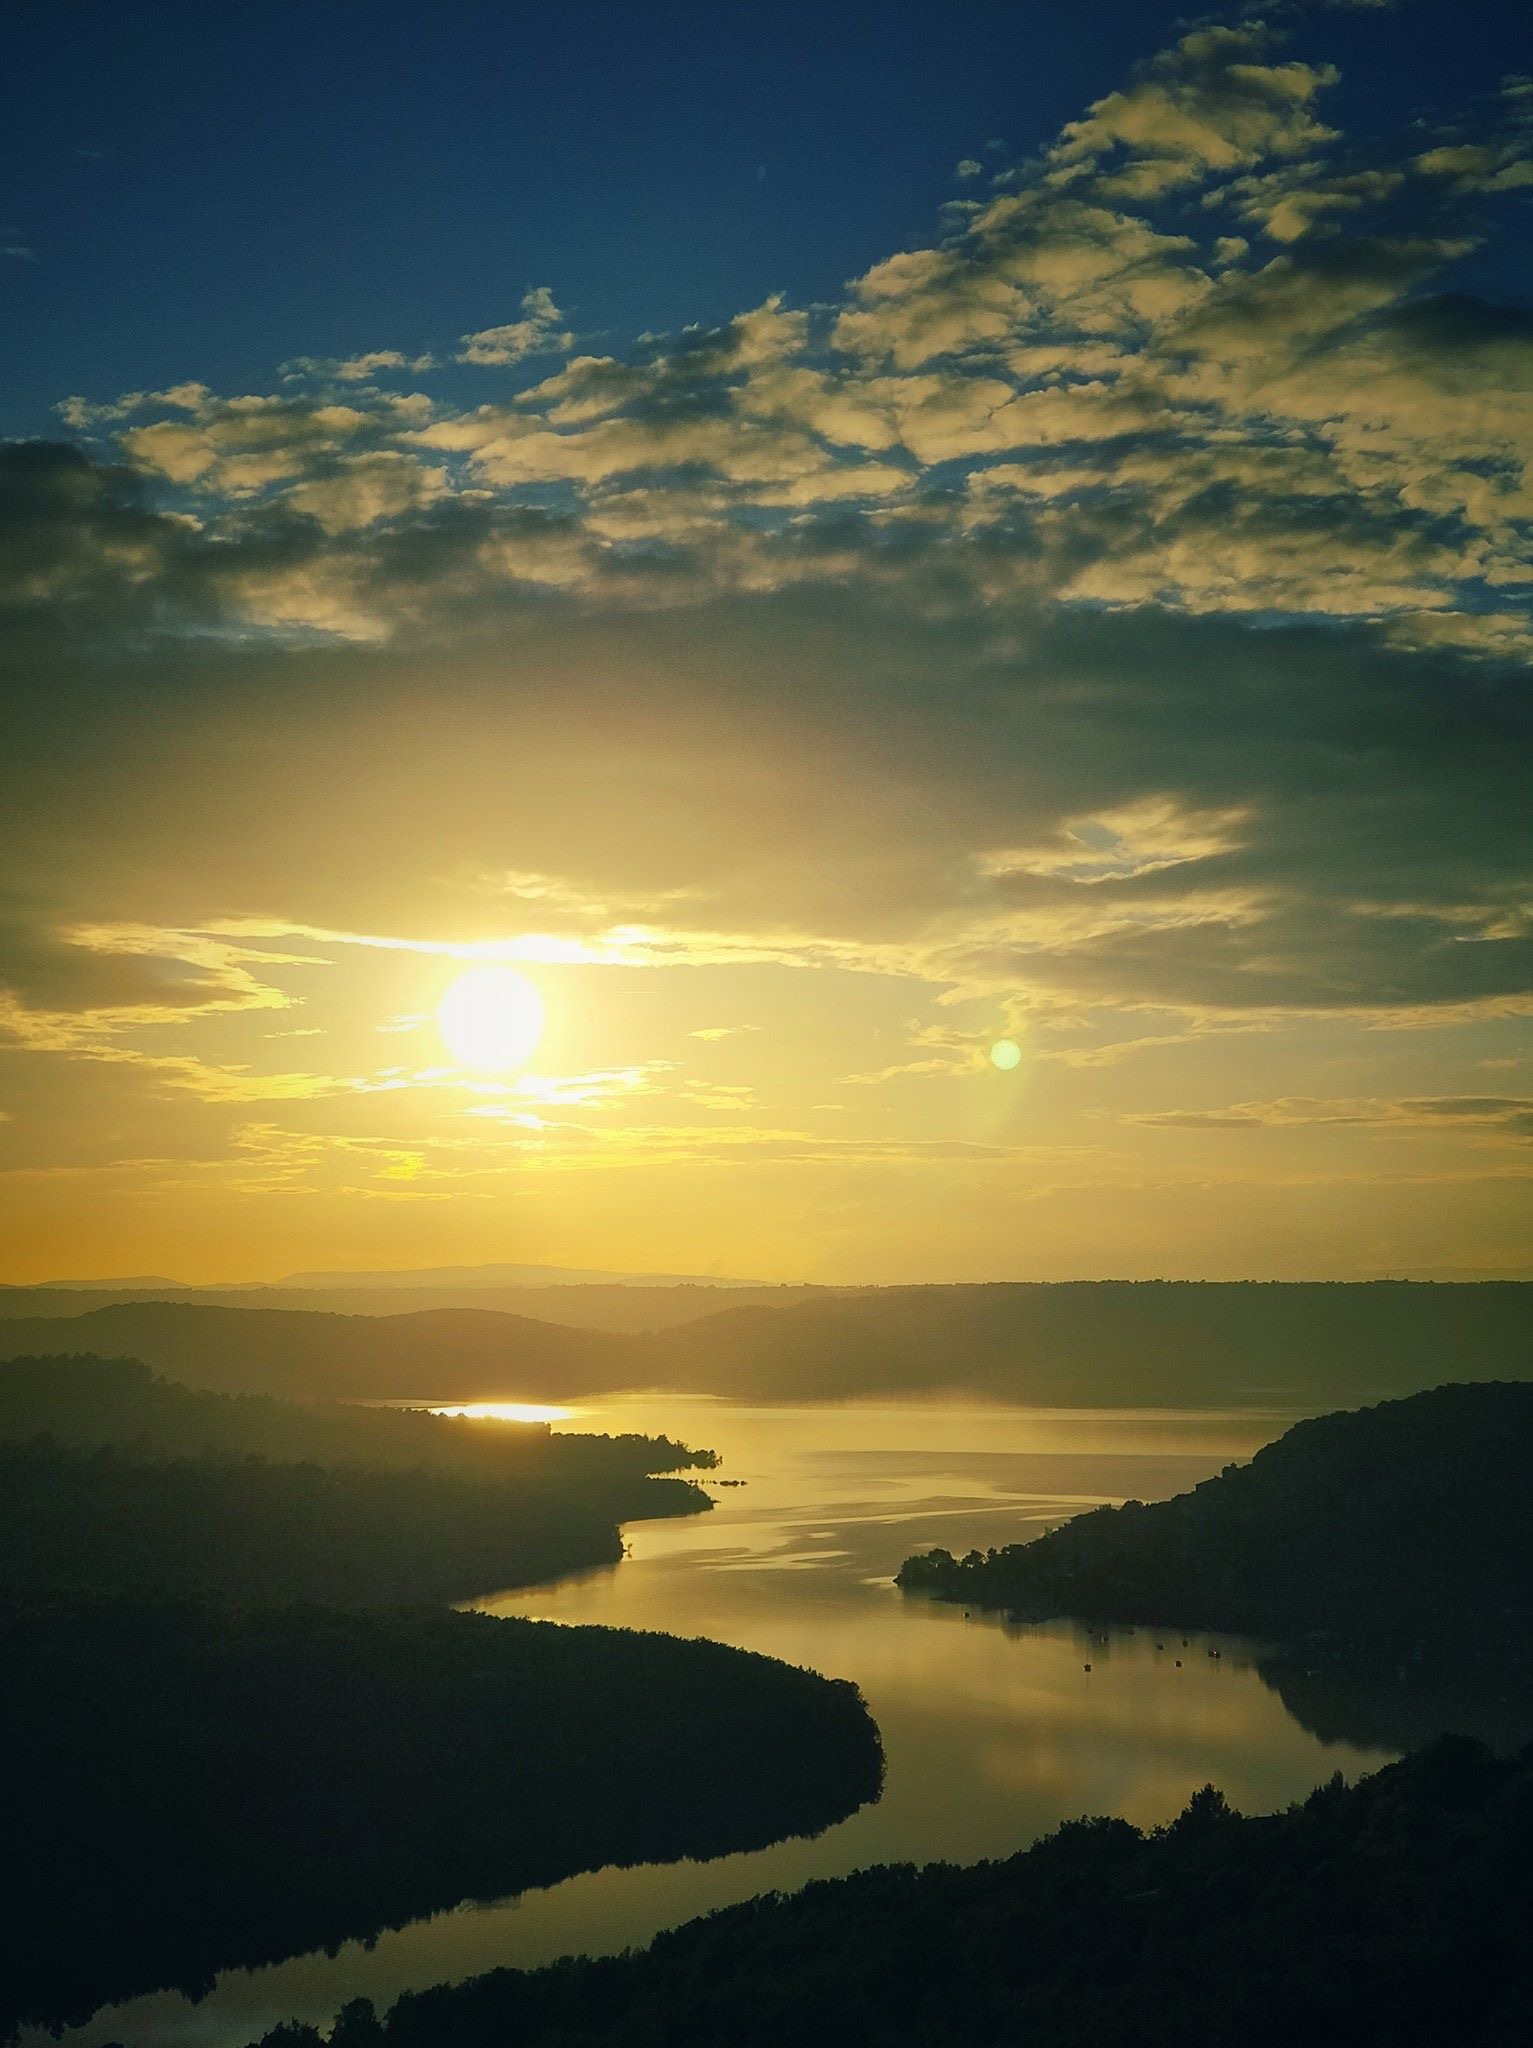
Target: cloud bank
1105,626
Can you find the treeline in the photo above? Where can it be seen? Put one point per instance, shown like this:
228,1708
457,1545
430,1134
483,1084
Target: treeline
85,1402
188,1788
1388,1915
114,1481
196,1773
1407,1526
247,1530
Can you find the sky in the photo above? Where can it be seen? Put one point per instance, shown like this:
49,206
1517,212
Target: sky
947,587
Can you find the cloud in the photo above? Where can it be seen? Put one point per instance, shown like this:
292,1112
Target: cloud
360,490
1142,838
1097,627
1207,105
1142,413
1507,1116
538,332
239,446
358,369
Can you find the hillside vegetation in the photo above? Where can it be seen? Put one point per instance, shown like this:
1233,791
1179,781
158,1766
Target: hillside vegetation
114,1480
1409,1524
1111,1343
304,1354
634,1306
189,1788
1391,1915
198,1773
1076,1344
87,1402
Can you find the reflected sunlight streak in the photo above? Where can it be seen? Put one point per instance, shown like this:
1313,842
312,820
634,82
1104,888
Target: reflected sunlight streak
506,1411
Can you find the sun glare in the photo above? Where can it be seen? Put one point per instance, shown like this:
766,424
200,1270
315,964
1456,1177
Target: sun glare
491,1019
506,1411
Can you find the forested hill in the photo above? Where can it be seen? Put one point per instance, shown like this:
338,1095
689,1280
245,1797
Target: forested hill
1392,1915
1095,1343
583,1305
1113,1343
188,1788
222,1742
451,1353
1409,1523
112,1480
87,1402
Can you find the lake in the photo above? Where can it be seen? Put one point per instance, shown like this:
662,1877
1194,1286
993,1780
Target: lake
993,1733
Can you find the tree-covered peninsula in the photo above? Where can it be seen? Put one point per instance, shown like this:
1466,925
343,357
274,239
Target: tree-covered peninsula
112,1479
1406,1526
231,1731
1393,1914
189,1788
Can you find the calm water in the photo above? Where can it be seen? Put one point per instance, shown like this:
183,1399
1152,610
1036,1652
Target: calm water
992,1733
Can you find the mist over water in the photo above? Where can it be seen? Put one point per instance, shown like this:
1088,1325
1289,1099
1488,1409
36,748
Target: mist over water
993,1733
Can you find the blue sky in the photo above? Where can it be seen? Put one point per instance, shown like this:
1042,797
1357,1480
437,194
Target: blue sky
208,193
654,502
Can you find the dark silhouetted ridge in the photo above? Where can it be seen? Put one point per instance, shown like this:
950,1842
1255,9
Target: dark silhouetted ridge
1391,1915
188,1789
1408,1524
1071,1344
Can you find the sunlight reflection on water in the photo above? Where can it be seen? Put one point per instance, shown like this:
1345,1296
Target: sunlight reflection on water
993,1733
506,1411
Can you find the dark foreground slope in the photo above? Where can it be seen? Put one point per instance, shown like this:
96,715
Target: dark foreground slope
1393,1913
195,1775
187,1789
1408,1525
250,1530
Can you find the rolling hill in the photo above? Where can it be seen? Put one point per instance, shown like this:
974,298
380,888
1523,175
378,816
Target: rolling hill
1090,1343
451,1353
1409,1523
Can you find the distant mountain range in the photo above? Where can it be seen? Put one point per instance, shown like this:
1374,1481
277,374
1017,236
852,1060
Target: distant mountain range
496,1274
509,1276
1297,1346
573,1296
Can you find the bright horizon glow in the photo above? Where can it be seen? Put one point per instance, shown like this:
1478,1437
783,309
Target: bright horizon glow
491,1019
984,692
505,1411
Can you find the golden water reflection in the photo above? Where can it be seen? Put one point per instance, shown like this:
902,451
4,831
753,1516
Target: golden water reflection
993,1733
504,1411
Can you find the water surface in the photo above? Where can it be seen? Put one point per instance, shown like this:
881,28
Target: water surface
993,1733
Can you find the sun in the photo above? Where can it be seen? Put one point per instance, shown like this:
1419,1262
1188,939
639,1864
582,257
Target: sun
491,1019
